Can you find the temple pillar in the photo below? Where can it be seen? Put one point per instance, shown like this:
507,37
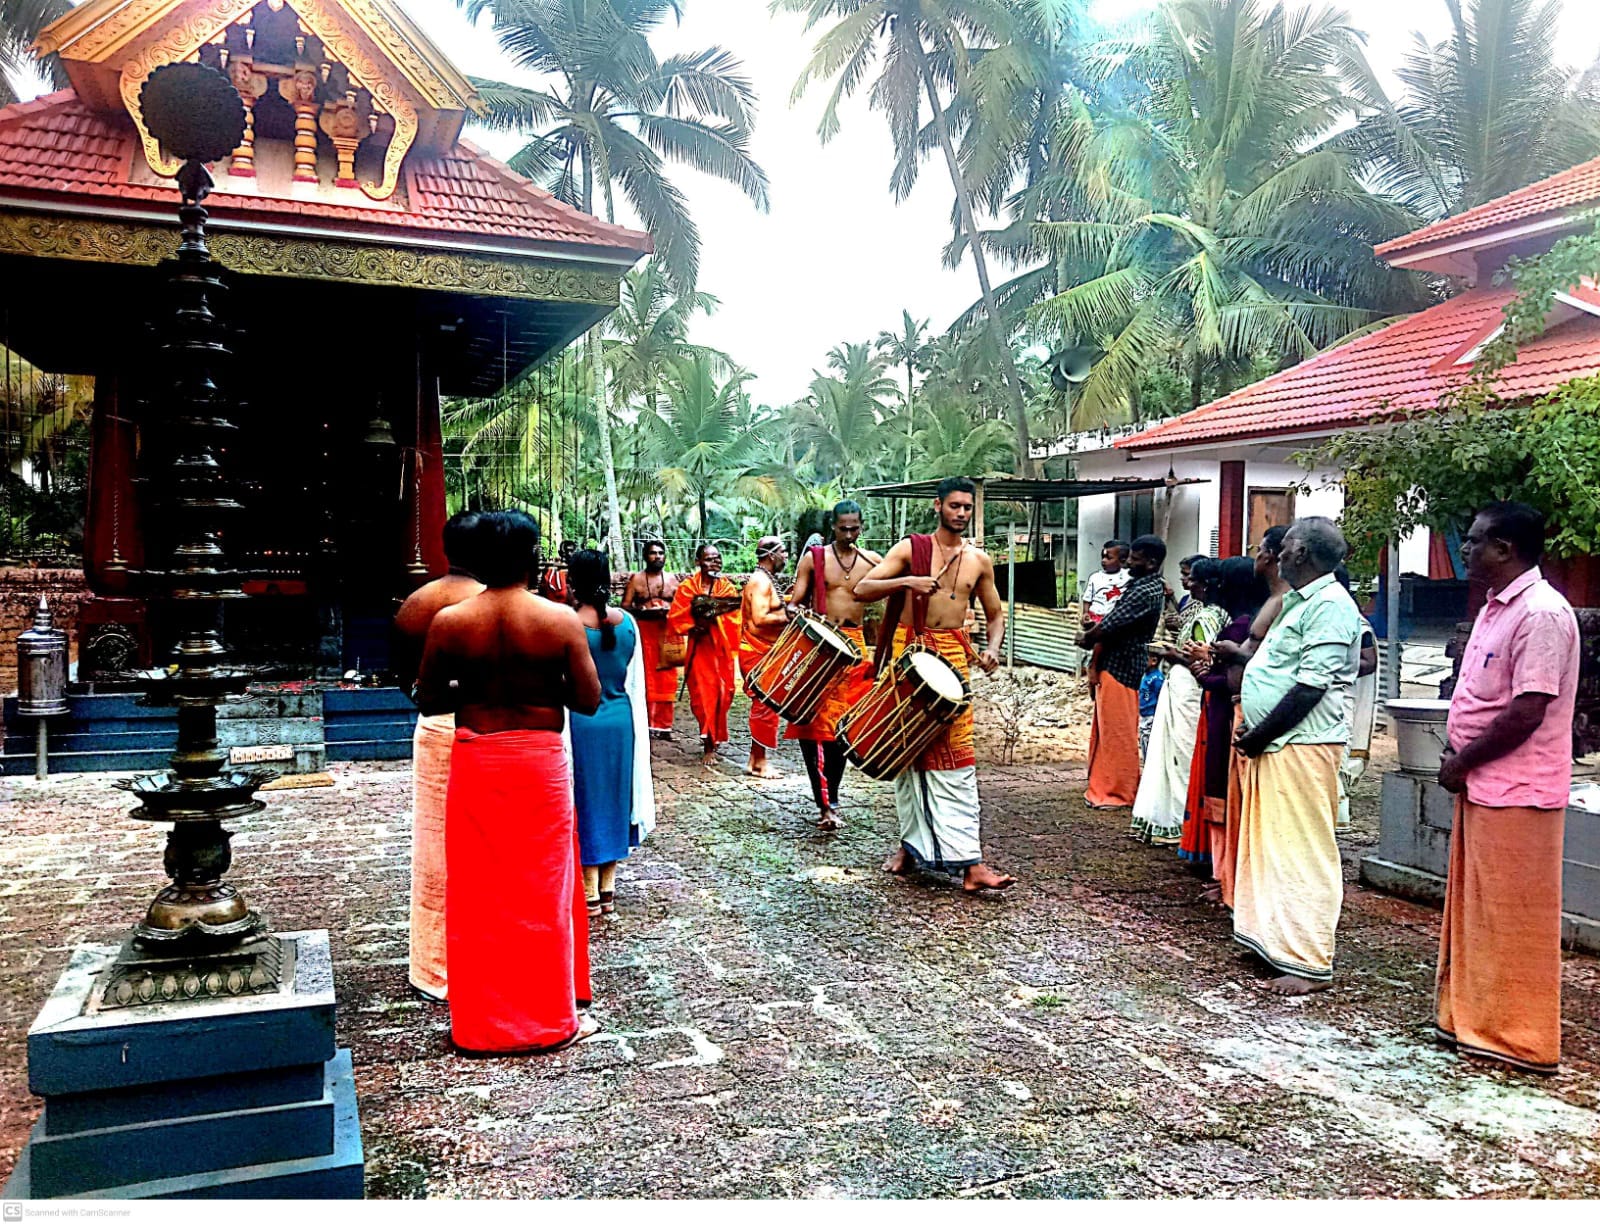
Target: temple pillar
422,554
1230,510
113,543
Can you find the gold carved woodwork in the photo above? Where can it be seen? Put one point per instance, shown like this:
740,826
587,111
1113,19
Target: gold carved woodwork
87,34
345,126
300,92
251,86
350,48
496,276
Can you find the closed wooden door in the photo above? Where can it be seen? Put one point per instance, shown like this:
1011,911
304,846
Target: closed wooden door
1268,508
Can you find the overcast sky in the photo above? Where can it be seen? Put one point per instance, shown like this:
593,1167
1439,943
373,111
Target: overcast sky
837,259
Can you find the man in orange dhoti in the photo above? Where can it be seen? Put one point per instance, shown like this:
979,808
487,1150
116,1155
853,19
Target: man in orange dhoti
937,799
510,664
1123,637
648,597
827,577
430,755
1510,765
762,618
713,641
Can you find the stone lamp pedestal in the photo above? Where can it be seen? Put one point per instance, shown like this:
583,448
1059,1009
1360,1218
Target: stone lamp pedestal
217,1087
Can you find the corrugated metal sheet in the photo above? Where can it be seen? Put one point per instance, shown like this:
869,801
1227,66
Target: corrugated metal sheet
1041,637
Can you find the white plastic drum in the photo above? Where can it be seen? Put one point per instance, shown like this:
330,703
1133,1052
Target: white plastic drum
938,676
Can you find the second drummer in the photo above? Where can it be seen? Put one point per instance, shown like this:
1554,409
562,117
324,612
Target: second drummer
763,617
842,564
929,582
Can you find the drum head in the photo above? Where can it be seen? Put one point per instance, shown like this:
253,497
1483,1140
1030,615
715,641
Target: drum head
937,675
822,632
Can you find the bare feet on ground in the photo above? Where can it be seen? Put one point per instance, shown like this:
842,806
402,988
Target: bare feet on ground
830,820
1212,893
899,863
762,769
982,876
708,752
1293,984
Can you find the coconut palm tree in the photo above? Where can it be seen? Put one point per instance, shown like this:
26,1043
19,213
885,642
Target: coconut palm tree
1484,112
952,442
840,422
20,23
607,115
702,438
1221,213
922,49
905,348
649,328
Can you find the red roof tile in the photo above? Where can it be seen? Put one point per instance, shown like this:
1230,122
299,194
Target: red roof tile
1404,368
57,145
1571,189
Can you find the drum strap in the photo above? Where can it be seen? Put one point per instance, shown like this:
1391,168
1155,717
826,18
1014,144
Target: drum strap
819,579
921,565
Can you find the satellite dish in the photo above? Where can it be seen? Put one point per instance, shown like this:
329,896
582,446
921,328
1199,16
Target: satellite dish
1071,365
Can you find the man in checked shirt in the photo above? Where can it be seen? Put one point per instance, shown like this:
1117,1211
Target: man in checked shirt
1124,640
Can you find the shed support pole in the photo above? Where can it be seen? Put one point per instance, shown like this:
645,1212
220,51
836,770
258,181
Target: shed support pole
1391,685
1011,597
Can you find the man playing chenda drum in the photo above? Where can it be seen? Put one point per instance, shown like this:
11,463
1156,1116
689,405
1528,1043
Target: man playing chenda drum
842,565
937,799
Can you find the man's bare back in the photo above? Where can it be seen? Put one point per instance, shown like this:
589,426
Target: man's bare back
416,615
517,661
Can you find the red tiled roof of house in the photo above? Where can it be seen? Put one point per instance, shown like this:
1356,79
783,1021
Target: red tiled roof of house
1559,194
56,146
1404,368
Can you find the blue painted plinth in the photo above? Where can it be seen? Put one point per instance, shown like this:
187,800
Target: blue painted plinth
245,1097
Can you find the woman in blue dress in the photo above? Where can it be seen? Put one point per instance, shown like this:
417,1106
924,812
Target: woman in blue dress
611,782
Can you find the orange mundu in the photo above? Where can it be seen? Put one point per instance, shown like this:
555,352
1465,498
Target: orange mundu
711,656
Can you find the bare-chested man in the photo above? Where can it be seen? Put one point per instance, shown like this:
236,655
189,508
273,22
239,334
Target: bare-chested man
430,755
842,565
930,581
510,664
648,596
762,618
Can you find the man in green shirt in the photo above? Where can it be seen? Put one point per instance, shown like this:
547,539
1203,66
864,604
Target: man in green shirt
1289,882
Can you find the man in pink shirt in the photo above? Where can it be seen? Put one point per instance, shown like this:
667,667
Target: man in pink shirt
1510,766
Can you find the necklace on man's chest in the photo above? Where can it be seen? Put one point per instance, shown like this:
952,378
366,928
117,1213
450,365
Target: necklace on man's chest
955,582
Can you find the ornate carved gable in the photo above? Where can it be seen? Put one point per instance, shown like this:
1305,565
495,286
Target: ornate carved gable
338,91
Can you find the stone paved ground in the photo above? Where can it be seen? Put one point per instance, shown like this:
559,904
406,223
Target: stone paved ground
782,1019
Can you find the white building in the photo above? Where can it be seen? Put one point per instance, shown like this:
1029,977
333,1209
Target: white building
1243,446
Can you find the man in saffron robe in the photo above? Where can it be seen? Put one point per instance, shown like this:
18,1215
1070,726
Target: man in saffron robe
827,577
1123,637
1288,883
431,744
648,597
1510,766
937,799
510,664
713,643
762,619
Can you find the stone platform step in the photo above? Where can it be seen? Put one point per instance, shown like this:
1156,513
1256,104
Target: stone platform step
112,731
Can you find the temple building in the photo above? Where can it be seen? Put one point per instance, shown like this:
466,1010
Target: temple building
378,262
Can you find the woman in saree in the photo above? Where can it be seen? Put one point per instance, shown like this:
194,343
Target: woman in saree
1164,782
